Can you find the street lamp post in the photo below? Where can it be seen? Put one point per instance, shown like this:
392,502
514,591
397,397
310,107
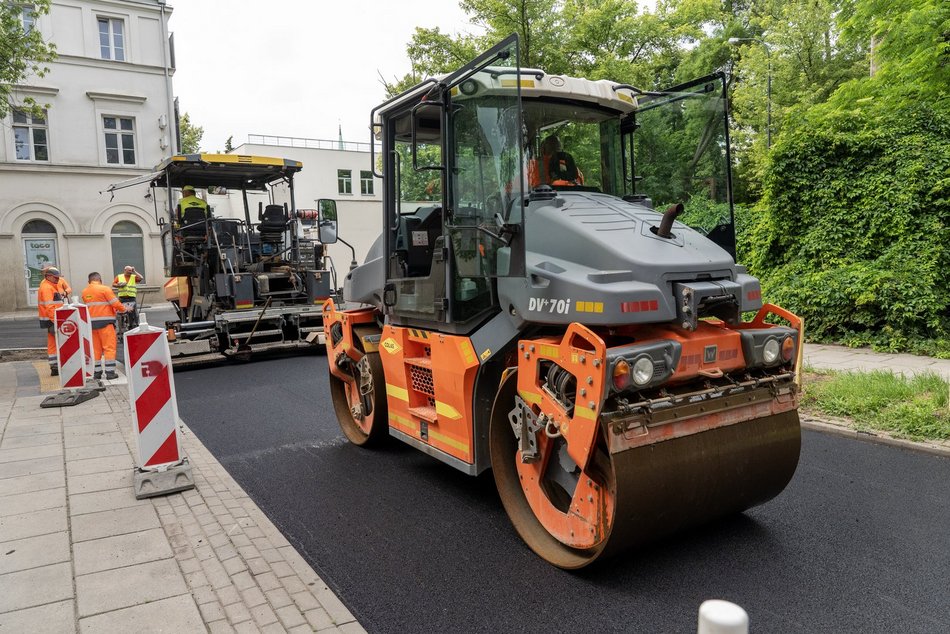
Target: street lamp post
768,85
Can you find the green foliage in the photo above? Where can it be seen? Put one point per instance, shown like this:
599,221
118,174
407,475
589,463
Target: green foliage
190,135
853,229
915,407
846,217
23,52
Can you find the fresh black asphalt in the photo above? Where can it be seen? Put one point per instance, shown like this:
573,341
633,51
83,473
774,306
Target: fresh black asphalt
859,542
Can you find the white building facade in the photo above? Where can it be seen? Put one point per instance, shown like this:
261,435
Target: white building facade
110,116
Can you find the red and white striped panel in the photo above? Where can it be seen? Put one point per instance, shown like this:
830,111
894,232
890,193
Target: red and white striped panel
152,394
69,354
86,337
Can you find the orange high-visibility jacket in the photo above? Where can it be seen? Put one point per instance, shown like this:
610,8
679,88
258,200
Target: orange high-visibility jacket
102,303
50,297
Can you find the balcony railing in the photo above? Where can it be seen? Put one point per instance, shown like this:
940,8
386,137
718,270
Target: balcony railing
314,144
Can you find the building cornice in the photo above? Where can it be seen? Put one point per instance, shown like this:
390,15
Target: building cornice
39,90
155,5
91,170
114,96
107,64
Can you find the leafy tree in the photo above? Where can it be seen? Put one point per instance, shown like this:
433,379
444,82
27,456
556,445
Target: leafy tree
190,135
22,51
855,221
229,144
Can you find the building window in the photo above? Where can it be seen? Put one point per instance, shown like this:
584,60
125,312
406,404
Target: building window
127,247
39,226
30,136
344,181
120,140
112,39
366,183
27,18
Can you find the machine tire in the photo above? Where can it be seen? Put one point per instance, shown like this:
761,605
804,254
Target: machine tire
375,427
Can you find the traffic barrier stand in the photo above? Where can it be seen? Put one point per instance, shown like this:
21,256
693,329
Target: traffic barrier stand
90,365
162,467
722,617
71,360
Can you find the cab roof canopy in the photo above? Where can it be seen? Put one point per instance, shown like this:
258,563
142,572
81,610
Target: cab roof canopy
234,171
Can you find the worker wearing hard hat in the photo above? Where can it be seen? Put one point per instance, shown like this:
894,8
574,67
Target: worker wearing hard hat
64,286
103,306
190,201
50,297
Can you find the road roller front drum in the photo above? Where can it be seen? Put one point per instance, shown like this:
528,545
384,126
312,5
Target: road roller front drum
572,516
360,403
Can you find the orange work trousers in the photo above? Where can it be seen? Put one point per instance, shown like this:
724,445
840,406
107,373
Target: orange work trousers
51,349
103,343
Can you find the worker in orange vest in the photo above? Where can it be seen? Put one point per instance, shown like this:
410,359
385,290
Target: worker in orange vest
103,306
554,166
49,298
64,286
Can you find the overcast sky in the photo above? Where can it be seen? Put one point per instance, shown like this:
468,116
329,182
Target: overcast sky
294,67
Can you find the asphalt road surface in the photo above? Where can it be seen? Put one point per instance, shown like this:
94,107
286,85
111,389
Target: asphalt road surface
859,542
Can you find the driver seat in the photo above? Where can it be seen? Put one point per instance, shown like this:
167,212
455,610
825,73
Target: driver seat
273,224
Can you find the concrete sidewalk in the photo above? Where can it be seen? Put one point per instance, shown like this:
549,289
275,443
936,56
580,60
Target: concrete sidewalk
842,359
78,552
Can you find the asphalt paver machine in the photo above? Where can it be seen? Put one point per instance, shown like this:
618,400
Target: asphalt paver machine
613,365
239,281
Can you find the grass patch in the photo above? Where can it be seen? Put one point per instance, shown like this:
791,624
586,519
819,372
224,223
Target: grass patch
915,407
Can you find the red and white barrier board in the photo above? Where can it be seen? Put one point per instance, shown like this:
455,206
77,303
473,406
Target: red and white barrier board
86,331
152,395
69,348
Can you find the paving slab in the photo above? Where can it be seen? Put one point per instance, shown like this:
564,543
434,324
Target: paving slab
125,587
48,450
32,501
32,428
114,522
99,465
32,524
100,481
175,614
28,483
34,440
87,440
103,501
97,451
30,467
36,586
33,552
52,618
121,550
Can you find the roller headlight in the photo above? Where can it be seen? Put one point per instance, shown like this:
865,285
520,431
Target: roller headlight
788,349
770,351
621,375
643,371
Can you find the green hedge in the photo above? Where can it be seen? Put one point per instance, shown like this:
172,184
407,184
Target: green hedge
853,231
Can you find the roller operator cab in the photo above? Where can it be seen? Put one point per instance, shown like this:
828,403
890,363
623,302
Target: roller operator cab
526,309
242,268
